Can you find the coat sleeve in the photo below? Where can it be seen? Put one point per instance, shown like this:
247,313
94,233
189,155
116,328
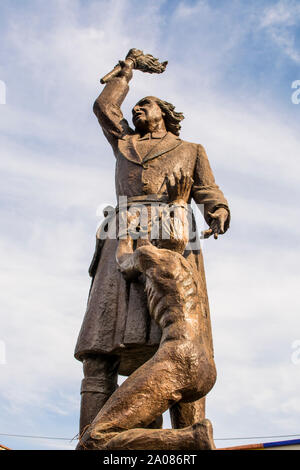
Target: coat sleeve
107,108
205,190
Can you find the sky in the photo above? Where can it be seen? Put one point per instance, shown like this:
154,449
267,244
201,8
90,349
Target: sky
231,69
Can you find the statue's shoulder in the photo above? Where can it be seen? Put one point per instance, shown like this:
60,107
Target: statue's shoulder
128,134
192,145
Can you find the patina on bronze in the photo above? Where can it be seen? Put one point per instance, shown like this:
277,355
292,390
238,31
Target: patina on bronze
122,332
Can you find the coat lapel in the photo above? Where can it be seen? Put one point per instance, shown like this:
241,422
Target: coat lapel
128,150
166,144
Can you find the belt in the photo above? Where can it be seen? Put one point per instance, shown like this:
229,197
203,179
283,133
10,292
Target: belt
126,202
144,199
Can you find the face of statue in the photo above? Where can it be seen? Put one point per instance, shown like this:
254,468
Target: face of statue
147,115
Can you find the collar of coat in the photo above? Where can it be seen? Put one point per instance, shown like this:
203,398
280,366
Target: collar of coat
167,142
153,135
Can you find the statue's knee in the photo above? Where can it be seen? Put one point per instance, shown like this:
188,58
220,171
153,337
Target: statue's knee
209,376
203,376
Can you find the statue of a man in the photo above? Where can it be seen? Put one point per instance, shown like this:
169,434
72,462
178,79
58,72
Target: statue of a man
118,334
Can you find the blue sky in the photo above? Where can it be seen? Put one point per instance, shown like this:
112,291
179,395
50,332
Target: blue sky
231,67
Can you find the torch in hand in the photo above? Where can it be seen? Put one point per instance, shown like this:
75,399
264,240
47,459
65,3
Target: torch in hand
141,61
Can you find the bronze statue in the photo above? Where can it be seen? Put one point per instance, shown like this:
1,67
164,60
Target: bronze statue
121,332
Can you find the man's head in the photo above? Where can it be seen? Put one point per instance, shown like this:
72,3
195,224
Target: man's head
152,114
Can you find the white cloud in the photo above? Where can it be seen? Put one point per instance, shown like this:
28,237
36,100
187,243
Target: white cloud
285,12
281,21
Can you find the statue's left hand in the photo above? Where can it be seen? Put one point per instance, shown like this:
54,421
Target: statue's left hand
218,219
179,186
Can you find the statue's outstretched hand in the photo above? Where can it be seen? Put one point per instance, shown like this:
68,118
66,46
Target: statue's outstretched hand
217,224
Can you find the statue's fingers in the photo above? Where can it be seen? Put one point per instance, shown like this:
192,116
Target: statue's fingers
182,175
189,179
167,178
186,186
189,183
212,215
183,185
214,225
207,233
218,225
222,223
184,181
177,180
168,183
170,180
216,230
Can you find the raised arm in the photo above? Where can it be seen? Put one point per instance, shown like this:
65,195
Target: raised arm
205,191
107,106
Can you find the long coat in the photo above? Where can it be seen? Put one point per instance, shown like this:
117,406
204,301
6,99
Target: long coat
117,320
